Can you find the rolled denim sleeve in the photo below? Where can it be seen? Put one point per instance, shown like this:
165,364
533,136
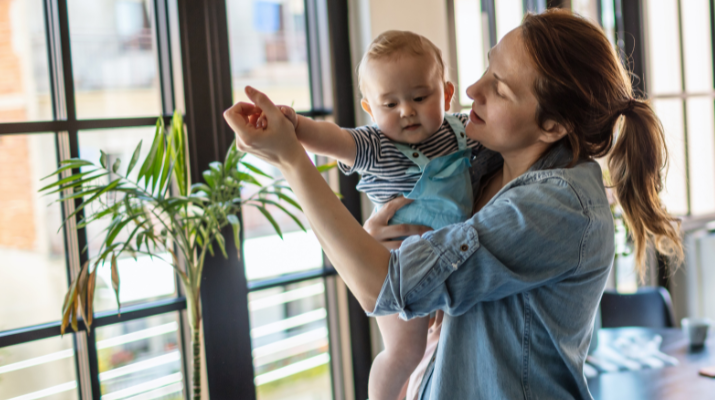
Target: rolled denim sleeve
527,237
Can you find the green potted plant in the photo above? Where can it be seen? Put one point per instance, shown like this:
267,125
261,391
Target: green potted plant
161,212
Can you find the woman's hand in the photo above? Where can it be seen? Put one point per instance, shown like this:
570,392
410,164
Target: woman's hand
377,226
273,140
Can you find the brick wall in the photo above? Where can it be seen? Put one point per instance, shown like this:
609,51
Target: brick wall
17,216
11,75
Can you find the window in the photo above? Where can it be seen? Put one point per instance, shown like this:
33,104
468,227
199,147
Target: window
679,78
77,76
275,47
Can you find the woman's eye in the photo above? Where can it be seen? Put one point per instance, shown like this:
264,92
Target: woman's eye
496,90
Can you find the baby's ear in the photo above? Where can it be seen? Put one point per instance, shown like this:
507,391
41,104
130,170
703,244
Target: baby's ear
366,106
448,95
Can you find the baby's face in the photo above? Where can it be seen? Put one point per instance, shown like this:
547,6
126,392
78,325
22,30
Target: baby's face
406,97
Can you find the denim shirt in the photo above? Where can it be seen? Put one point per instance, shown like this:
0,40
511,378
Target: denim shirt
519,284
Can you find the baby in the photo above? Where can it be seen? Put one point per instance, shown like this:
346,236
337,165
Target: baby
415,151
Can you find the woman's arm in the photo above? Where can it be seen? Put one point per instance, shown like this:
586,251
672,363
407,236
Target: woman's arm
359,259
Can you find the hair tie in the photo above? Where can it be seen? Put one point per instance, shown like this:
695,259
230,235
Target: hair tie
629,107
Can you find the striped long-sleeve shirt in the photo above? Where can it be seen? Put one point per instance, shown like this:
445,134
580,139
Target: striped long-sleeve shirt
384,168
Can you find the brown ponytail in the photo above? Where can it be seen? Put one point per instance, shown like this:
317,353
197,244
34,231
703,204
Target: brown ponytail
582,85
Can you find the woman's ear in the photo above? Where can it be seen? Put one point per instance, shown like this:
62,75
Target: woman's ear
552,131
366,106
448,94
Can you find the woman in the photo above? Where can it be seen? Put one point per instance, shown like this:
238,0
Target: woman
520,281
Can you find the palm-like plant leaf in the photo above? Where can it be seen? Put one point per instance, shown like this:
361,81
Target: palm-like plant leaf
146,218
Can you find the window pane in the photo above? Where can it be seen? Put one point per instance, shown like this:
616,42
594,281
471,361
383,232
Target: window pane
663,47
43,369
266,254
289,330
509,14
701,155
141,357
141,280
268,50
674,195
697,46
114,59
32,256
587,9
608,20
24,76
471,44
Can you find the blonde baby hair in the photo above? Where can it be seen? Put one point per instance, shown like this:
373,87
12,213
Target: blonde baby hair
391,43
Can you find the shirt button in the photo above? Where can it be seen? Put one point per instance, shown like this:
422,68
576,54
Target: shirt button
464,247
415,154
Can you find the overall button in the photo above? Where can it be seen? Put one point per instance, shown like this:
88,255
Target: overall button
464,247
461,134
415,154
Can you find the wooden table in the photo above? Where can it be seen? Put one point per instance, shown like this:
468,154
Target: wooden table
680,382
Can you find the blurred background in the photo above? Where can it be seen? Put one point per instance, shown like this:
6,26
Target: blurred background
77,76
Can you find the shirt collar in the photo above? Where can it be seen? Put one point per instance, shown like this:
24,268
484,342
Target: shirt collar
485,161
557,156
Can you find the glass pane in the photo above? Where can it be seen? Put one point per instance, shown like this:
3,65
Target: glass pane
608,20
141,357
586,8
509,14
663,47
266,255
471,45
24,75
697,46
268,50
141,280
43,369
289,329
701,155
114,59
675,195
32,254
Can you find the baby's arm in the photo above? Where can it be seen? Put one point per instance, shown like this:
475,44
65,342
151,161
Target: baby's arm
405,343
322,137
327,139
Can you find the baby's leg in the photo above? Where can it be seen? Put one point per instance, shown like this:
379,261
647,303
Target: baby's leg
404,347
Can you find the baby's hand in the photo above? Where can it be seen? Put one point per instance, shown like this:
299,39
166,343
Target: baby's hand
289,113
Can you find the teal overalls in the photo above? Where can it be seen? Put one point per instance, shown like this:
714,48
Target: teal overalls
443,194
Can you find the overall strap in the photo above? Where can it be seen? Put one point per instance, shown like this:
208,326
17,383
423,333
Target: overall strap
458,129
413,155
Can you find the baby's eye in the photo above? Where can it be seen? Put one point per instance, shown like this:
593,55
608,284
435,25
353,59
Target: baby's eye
390,105
418,99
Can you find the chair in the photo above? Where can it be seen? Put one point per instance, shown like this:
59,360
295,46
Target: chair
649,307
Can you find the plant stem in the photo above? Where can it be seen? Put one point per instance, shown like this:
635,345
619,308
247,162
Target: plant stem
196,344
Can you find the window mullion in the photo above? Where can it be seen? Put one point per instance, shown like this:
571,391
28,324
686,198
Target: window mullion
68,147
685,109
161,35
314,67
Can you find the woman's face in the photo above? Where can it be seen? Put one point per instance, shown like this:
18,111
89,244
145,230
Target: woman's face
503,116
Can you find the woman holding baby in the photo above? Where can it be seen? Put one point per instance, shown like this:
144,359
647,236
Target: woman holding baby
519,281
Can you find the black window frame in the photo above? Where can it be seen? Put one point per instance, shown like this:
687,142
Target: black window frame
66,128
207,93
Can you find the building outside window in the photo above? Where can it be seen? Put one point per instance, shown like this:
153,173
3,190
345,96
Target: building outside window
79,76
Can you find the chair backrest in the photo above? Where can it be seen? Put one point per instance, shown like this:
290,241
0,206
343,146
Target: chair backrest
649,307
